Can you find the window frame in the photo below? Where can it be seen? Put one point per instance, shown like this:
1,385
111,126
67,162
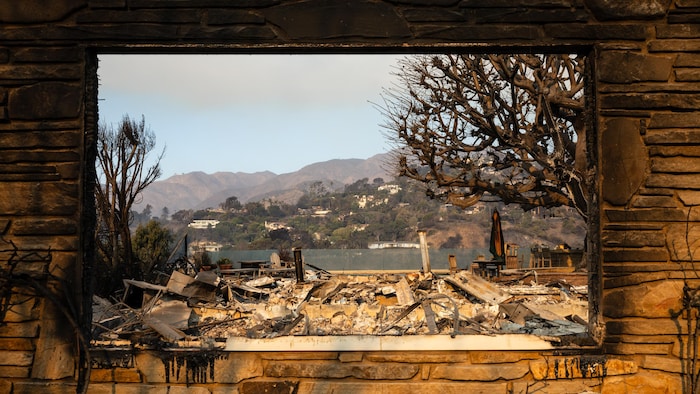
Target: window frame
464,342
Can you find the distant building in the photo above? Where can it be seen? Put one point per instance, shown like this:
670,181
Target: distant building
203,223
392,189
319,213
271,226
204,246
365,201
393,244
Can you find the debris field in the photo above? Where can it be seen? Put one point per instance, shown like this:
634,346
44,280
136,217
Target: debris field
215,305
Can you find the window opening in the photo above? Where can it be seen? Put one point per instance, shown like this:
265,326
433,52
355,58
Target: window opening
483,232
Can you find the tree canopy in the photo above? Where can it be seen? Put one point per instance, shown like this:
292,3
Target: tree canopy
152,245
509,126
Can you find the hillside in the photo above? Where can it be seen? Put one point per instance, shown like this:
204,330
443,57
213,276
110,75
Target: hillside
199,190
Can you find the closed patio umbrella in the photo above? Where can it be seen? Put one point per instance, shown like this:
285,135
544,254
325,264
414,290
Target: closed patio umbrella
496,246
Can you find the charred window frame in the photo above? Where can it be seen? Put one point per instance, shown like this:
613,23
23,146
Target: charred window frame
419,342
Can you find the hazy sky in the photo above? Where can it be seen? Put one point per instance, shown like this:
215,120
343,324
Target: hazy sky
250,112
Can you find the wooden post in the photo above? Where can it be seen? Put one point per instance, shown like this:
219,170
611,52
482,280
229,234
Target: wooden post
424,251
453,263
298,265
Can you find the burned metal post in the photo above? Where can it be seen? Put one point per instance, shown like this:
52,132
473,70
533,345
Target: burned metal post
298,265
424,251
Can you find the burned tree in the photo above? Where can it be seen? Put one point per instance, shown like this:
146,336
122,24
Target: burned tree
121,176
509,126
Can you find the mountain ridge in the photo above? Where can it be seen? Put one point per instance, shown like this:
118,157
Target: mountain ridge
199,190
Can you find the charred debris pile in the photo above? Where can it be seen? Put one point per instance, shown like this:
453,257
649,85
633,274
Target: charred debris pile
279,299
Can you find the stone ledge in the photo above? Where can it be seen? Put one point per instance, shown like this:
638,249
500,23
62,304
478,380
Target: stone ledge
414,343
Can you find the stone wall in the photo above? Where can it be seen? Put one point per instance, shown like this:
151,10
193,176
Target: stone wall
646,85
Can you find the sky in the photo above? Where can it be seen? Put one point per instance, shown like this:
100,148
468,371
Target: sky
249,113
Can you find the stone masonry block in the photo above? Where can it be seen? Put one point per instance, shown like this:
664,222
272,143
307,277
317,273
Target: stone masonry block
235,367
688,59
688,150
654,299
42,198
326,386
32,387
197,368
12,372
483,373
660,120
673,181
118,375
673,137
595,32
651,101
675,164
643,382
633,279
645,215
498,357
654,202
48,55
16,344
631,239
230,17
41,71
643,326
663,363
331,19
202,3
688,75
348,357
96,4
417,357
689,197
16,358
678,31
43,139
577,367
643,9
331,370
627,255
299,356
22,308
622,148
629,67
46,100
683,241
20,330
516,14
38,10
161,16
44,227
268,387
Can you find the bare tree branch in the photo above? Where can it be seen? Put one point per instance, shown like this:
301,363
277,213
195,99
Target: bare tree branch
122,176
510,126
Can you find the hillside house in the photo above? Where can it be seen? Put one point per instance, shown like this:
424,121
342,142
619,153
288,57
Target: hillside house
203,224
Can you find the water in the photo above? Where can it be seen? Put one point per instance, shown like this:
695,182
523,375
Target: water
365,259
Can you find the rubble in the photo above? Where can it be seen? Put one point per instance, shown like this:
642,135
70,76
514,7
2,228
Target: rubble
268,303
